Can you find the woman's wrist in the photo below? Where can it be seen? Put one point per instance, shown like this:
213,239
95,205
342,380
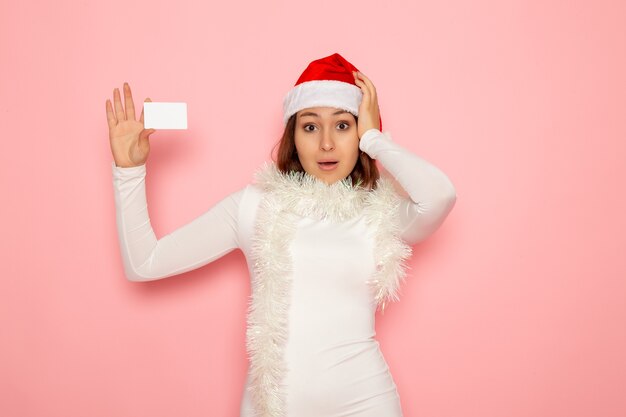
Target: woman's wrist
130,170
368,137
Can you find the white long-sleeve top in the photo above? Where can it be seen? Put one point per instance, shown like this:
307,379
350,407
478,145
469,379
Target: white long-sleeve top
335,365
213,234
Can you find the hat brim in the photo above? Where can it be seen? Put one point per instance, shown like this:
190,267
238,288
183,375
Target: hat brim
322,93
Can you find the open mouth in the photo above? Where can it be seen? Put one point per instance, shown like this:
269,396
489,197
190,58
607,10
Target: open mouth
328,165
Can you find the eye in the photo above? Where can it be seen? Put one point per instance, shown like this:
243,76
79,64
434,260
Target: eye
345,124
306,128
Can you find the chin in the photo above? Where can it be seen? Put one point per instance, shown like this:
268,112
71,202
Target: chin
332,178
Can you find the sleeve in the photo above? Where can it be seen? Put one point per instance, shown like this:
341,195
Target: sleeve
208,237
431,193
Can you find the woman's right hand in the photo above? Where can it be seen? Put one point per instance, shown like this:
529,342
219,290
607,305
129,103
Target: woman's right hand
128,137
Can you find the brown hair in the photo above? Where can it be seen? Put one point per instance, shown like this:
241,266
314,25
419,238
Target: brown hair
365,172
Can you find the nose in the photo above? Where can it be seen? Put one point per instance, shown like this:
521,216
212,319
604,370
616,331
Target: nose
328,142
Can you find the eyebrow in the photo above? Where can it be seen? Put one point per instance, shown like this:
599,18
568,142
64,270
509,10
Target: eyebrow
310,113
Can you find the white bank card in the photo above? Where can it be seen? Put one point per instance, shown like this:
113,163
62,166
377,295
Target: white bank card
163,115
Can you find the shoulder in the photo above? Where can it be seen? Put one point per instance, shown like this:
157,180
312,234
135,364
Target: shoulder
385,195
251,193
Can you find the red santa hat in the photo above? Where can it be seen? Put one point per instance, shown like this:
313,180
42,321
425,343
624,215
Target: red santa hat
326,82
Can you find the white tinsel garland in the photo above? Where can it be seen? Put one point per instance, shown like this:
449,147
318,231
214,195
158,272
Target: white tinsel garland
286,197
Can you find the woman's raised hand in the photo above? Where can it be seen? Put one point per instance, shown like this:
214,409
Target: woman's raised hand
369,113
128,138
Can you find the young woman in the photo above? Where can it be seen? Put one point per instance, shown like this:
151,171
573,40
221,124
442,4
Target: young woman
324,235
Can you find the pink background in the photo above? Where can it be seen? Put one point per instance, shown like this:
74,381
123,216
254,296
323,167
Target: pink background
515,307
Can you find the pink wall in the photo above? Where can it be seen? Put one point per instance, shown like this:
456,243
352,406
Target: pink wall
515,307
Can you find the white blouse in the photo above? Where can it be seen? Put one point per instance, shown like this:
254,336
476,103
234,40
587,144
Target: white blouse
333,363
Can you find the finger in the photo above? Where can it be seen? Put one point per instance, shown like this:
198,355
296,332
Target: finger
368,82
111,120
368,86
364,89
141,118
119,110
128,102
145,134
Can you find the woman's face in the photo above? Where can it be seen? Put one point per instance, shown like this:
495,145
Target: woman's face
327,142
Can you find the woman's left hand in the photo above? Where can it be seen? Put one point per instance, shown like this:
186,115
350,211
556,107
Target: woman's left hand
369,114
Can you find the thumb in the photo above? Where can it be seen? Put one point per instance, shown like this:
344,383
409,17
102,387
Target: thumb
144,135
